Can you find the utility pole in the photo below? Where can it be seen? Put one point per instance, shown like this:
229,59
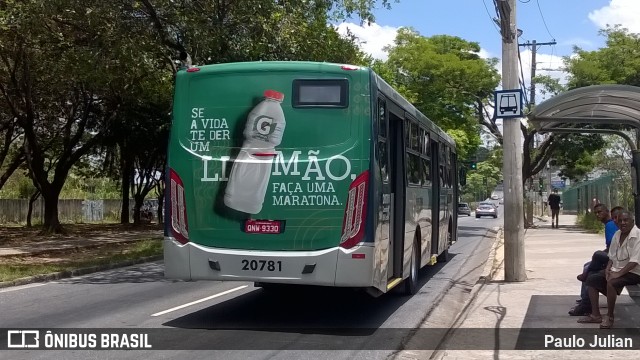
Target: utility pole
534,50
514,269
532,91
532,101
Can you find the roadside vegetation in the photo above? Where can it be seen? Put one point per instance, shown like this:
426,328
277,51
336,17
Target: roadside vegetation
16,267
590,223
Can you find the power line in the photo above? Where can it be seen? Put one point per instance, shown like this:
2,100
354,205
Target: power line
491,18
544,21
521,80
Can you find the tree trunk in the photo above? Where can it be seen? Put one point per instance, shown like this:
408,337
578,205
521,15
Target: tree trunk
160,206
51,220
32,199
126,186
137,206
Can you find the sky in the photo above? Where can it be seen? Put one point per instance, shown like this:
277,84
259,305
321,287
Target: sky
567,22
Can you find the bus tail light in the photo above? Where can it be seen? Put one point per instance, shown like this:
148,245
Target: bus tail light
355,212
178,208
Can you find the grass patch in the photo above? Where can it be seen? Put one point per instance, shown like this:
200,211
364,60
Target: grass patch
16,267
590,223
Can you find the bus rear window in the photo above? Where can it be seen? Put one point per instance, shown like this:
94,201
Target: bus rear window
320,93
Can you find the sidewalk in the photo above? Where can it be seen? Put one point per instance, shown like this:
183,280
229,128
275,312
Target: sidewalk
553,258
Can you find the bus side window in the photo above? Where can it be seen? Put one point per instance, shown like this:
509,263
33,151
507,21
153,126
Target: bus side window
425,162
449,167
382,140
413,169
441,158
415,142
426,172
427,144
382,119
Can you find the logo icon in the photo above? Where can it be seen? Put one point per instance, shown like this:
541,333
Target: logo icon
263,125
23,339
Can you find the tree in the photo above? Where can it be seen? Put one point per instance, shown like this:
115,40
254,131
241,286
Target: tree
615,159
51,50
616,63
446,79
251,30
487,176
577,155
11,152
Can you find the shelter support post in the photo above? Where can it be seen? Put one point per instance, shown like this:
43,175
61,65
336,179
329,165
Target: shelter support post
636,189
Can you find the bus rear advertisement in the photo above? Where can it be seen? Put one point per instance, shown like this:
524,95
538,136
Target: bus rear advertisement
280,172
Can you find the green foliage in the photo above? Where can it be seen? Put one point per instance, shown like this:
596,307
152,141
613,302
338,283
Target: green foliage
445,78
576,155
76,187
590,223
616,63
96,77
481,182
343,9
26,188
495,157
614,159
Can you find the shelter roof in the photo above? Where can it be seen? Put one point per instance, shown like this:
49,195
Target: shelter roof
597,104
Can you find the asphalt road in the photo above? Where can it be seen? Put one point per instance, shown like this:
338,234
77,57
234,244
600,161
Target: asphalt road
283,324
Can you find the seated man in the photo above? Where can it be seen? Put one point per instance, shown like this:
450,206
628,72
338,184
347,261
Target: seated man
622,270
609,220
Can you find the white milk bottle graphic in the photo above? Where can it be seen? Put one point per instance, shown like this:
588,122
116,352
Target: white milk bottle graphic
251,170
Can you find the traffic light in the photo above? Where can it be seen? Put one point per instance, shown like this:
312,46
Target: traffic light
541,185
473,165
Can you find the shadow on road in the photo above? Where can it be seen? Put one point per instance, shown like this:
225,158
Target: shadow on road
301,309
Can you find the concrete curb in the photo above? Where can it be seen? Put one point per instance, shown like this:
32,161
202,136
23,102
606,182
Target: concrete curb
488,272
76,272
490,269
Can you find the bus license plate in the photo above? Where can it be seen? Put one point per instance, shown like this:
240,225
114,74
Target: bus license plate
263,227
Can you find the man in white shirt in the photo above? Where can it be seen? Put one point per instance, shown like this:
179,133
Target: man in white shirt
622,270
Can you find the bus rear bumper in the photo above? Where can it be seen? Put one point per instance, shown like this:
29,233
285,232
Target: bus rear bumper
329,267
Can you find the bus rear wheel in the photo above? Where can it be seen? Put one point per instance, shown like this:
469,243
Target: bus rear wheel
411,283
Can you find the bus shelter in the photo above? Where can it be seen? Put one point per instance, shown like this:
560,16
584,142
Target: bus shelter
602,109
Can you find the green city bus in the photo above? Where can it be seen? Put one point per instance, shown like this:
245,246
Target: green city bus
305,173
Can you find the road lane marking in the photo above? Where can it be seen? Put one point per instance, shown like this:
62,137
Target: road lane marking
21,287
199,301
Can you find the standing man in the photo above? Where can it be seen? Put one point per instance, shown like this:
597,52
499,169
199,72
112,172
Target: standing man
554,203
622,270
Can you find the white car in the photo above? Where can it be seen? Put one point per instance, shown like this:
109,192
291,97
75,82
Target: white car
486,209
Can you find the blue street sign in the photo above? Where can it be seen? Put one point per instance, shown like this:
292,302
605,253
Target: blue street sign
508,103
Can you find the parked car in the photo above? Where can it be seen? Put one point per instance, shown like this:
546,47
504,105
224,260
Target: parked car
486,209
464,209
